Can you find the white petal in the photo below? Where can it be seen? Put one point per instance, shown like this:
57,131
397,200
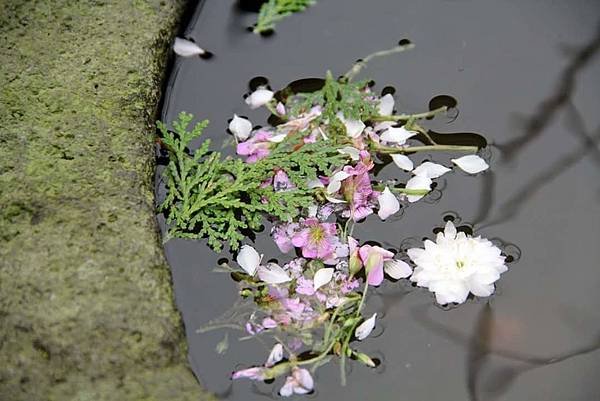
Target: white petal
322,277
248,259
402,161
396,135
353,127
365,328
240,127
386,105
450,230
431,170
334,200
471,164
187,48
417,182
397,269
259,98
272,273
335,182
304,380
277,138
316,183
350,151
388,204
288,388
275,356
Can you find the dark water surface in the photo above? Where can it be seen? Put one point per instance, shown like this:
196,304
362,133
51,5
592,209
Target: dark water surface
526,75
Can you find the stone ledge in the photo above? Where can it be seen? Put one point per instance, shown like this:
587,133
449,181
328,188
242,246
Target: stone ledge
86,304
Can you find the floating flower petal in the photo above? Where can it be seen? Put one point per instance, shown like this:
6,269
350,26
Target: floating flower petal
353,127
240,127
431,170
397,269
402,161
322,276
248,259
388,204
396,135
471,164
275,356
187,48
365,328
272,273
259,98
418,182
386,105
300,382
255,373
350,151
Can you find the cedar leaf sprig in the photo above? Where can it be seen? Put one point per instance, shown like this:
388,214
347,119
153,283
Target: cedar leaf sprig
218,198
273,11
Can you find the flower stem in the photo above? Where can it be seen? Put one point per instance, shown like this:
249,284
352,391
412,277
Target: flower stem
412,149
406,117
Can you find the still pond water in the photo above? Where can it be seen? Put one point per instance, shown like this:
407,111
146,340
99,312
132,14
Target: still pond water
526,75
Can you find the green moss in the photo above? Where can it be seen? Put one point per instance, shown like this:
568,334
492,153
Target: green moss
86,305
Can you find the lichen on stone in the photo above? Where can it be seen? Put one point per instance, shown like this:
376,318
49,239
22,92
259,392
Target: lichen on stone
86,304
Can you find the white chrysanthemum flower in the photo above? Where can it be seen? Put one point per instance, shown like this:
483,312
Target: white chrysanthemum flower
456,265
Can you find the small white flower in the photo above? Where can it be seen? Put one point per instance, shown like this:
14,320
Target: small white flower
396,135
275,356
249,259
397,269
353,127
259,98
240,127
431,170
388,204
300,382
418,182
402,161
187,48
322,277
386,105
365,328
471,164
456,265
272,273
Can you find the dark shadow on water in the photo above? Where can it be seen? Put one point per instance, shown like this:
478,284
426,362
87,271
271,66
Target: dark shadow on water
549,108
511,207
480,348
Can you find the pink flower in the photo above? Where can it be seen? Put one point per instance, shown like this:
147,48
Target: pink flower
317,240
282,235
304,286
353,189
300,382
257,147
372,258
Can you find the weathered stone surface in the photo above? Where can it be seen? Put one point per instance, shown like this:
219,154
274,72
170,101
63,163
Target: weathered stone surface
86,305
